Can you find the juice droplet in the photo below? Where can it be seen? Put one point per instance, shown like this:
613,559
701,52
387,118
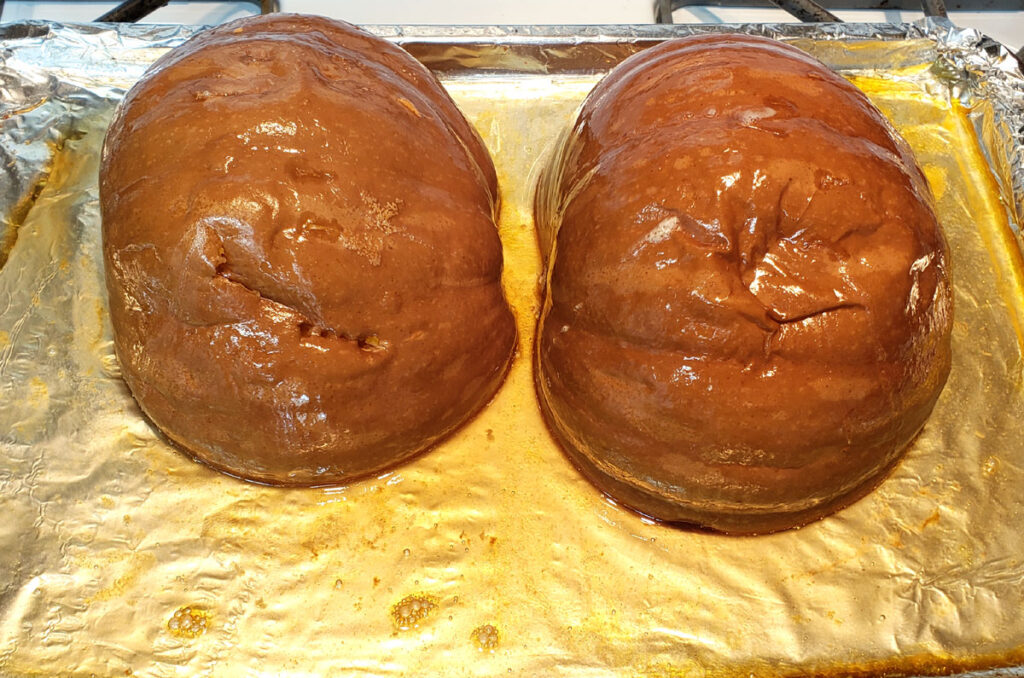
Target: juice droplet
189,622
486,637
411,610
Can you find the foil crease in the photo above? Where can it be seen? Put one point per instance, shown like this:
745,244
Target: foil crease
120,556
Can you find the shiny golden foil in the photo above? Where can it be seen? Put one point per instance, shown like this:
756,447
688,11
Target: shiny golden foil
490,554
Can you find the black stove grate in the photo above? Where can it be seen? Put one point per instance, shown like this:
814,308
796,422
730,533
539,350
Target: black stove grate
804,10
819,10
131,11
663,8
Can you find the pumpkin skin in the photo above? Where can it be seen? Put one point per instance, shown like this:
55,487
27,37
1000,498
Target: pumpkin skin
302,260
748,306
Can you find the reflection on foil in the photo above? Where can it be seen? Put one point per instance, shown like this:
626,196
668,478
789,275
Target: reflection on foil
119,556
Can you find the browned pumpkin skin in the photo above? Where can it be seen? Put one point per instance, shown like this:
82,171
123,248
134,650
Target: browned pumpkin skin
748,306
301,252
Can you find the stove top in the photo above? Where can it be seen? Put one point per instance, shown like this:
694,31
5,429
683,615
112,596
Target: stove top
1002,20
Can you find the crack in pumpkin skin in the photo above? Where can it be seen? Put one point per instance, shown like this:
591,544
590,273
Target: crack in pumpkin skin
746,322
368,342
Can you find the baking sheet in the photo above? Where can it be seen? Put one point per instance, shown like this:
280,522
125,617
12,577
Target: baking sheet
490,554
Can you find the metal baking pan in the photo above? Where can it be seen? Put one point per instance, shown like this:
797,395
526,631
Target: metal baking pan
490,554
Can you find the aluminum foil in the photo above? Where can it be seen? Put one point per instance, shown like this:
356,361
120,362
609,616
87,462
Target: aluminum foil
490,554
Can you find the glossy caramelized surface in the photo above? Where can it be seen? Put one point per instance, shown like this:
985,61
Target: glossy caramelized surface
301,253
748,306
